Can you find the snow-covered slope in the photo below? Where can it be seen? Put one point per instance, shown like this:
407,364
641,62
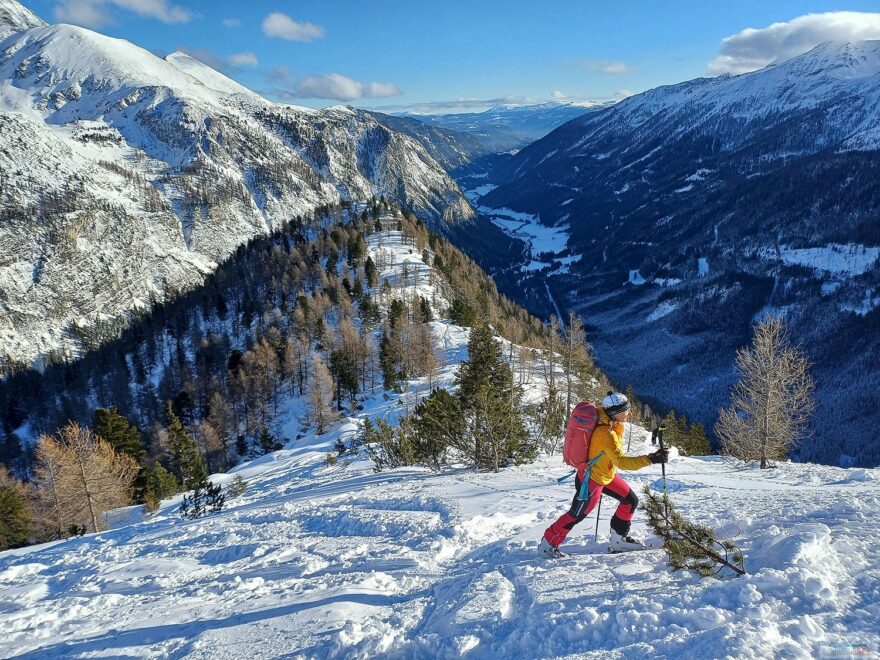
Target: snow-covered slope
207,165
318,560
208,76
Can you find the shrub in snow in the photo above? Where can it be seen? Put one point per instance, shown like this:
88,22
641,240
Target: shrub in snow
237,487
205,498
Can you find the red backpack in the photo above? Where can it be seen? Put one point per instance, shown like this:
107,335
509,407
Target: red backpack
578,433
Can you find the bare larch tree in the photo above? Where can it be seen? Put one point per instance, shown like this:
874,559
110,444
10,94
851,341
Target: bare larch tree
772,401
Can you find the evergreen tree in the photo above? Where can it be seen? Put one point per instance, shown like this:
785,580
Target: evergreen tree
344,367
206,497
388,446
390,374
490,401
425,313
268,442
15,513
188,461
123,436
371,272
160,484
437,423
461,313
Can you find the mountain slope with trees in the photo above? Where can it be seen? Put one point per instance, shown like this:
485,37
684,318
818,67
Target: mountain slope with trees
126,178
693,209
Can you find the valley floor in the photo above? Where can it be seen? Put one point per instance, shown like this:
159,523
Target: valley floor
339,561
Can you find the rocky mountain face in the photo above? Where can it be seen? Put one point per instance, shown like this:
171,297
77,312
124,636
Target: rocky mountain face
452,149
126,178
696,208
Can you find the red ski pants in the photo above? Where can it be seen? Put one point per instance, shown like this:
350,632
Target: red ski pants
620,522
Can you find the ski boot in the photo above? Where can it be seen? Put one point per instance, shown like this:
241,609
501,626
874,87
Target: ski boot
619,543
545,548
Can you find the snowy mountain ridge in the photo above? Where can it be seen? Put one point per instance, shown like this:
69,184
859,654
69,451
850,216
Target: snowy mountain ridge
319,560
126,177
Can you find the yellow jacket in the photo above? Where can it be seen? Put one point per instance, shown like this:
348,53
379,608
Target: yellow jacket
607,437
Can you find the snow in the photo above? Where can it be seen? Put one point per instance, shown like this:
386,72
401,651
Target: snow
526,227
699,175
343,562
841,259
702,266
665,308
685,189
206,75
339,561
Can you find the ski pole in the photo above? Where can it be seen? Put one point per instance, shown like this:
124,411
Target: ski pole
663,471
598,510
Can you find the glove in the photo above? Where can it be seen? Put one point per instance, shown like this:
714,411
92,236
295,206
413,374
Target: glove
659,456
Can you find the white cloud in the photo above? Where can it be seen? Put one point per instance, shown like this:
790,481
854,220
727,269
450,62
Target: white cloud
231,22
283,26
82,12
559,96
341,88
97,13
246,58
754,48
607,67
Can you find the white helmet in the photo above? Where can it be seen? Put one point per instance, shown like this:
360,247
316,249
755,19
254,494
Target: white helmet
615,403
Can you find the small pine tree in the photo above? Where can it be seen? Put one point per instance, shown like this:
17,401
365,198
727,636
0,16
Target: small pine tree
159,485
388,447
205,498
690,545
238,487
188,461
15,513
437,424
268,442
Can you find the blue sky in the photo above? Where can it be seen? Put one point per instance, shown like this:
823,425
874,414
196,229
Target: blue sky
441,56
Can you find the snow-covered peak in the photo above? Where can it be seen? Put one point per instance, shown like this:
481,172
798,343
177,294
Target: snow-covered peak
71,60
832,73
15,17
839,59
208,76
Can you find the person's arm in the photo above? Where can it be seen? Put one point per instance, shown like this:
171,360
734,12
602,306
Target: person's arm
621,460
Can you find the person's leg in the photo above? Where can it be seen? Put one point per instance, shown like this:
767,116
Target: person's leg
626,496
579,510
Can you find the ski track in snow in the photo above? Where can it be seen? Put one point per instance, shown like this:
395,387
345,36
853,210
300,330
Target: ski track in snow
318,561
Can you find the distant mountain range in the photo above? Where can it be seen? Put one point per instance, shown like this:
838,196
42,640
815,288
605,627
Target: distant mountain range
693,209
512,127
127,178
